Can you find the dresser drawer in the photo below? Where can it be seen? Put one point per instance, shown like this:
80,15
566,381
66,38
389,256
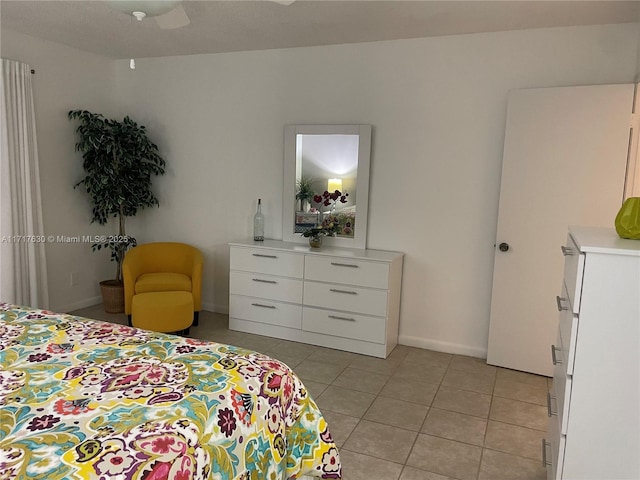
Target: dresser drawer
250,284
271,262
554,455
568,333
345,297
560,395
348,325
573,271
346,271
265,311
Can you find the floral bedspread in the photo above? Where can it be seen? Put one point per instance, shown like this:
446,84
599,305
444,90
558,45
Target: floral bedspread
83,399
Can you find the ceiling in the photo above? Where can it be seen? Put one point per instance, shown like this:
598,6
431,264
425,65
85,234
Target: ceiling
229,26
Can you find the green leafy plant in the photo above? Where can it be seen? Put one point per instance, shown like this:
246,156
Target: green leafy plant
305,188
119,161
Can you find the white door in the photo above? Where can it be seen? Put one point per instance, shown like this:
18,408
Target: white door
564,163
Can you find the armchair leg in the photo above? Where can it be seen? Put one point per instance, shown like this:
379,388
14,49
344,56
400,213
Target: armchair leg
196,318
129,322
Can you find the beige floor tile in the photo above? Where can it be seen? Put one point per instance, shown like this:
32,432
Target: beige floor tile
446,457
519,413
294,348
410,391
361,380
472,364
356,466
523,391
384,366
513,439
428,357
340,426
410,473
462,401
455,426
397,413
504,466
318,371
381,441
524,377
330,355
399,353
315,388
420,372
345,401
472,381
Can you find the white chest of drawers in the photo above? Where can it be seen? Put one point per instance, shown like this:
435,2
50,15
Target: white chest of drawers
594,406
341,298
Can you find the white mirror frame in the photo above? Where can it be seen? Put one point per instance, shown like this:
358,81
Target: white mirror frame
359,240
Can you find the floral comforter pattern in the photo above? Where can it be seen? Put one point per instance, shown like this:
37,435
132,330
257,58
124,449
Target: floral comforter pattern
83,399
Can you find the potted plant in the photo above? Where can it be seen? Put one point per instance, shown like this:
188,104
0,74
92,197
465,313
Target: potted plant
305,192
119,161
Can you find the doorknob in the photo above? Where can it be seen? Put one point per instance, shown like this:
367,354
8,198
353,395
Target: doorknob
503,247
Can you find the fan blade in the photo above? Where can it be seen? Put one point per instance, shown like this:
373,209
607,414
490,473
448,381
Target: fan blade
176,18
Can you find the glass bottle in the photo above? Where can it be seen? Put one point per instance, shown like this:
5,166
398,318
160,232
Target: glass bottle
258,223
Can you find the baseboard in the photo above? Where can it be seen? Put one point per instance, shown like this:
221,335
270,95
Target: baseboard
211,307
444,347
70,307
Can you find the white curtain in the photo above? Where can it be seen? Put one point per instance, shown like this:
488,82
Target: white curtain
23,273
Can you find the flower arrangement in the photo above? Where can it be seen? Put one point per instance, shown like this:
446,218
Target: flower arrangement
332,224
330,199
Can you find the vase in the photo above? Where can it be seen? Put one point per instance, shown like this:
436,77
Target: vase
315,241
628,219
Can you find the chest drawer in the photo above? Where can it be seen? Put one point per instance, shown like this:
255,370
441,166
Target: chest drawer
284,289
347,325
345,297
561,391
573,271
346,271
265,311
568,332
271,262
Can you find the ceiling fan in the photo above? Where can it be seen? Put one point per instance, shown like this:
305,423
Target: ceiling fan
168,14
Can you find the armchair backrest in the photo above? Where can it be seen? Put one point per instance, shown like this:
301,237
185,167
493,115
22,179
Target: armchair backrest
162,257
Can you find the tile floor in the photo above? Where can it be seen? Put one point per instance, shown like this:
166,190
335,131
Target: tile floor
416,415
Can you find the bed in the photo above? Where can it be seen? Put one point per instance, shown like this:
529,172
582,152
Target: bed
84,399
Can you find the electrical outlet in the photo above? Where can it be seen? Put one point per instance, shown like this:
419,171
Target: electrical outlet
75,278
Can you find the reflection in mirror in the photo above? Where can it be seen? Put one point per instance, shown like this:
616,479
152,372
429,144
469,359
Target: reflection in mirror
327,182
326,174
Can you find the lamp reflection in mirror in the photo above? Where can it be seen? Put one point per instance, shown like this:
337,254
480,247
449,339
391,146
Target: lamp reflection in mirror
334,184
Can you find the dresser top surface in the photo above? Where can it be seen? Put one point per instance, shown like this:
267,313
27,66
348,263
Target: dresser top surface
365,254
603,240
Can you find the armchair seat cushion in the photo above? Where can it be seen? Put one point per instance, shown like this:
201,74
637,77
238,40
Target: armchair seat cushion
162,282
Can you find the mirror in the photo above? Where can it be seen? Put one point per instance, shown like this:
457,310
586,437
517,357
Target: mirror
326,158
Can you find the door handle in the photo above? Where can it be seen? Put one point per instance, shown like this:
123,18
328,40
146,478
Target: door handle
503,247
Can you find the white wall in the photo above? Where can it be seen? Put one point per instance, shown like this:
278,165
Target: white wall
437,107
438,110
66,79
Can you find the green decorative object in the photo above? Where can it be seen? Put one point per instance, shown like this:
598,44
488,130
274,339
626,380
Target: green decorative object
628,219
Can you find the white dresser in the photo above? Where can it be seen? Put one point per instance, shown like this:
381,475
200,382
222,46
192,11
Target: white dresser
594,406
342,298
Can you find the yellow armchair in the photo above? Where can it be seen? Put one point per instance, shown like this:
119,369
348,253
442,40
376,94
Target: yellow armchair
163,267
